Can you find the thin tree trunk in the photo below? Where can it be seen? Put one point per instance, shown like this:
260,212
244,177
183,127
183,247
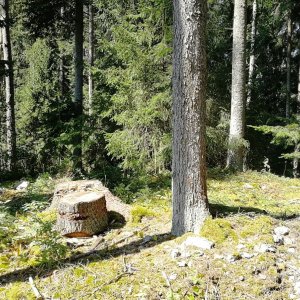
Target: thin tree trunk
252,52
298,96
288,66
91,57
78,90
190,203
9,88
236,152
62,75
296,162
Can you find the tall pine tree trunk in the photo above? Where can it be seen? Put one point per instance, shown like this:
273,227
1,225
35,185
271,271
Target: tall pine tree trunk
298,96
252,52
9,87
237,151
190,204
78,89
288,65
62,75
91,57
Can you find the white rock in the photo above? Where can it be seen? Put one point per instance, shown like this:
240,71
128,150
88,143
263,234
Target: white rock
198,242
175,253
182,264
247,255
291,250
278,239
262,276
264,248
173,276
240,246
22,186
282,230
288,241
190,264
219,256
248,186
232,258
297,287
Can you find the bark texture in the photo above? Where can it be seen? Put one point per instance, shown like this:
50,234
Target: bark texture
9,86
288,66
78,88
298,96
252,52
190,203
236,152
91,57
82,214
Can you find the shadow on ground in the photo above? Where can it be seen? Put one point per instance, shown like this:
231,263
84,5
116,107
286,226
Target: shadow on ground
44,271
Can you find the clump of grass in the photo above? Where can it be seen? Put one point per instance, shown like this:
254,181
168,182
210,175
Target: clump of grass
261,225
218,230
139,212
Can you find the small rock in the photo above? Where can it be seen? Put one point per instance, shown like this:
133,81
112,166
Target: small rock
248,186
278,239
240,246
282,230
198,242
241,278
288,241
24,185
297,287
264,248
263,187
232,258
173,276
175,253
147,239
262,276
291,250
190,264
247,255
182,264
292,278
219,256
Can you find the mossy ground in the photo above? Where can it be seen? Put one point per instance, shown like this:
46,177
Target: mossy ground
246,206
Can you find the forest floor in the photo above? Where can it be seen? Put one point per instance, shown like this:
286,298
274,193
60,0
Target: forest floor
141,260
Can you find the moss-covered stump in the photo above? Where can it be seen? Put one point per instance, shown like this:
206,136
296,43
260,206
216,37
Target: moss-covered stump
82,214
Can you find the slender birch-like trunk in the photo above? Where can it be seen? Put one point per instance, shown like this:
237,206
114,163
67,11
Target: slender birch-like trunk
252,52
190,203
237,151
9,87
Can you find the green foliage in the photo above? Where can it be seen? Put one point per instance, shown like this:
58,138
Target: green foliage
287,136
139,212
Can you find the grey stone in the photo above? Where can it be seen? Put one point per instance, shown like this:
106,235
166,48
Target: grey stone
264,248
22,186
282,230
247,255
278,239
198,242
175,253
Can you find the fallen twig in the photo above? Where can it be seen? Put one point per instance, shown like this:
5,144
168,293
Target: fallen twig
35,290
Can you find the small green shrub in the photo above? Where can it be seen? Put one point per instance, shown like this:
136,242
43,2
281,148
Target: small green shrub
139,212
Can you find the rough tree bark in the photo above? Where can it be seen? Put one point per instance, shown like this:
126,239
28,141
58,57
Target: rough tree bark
236,152
252,52
78,87
62,75
9,86
91,57
288,66
298,96
190,203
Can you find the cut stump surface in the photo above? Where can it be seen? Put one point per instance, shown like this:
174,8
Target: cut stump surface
82,214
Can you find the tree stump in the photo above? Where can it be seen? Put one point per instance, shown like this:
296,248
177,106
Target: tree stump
118,210
82,214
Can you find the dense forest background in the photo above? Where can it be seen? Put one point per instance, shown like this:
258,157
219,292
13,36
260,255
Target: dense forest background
125,124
